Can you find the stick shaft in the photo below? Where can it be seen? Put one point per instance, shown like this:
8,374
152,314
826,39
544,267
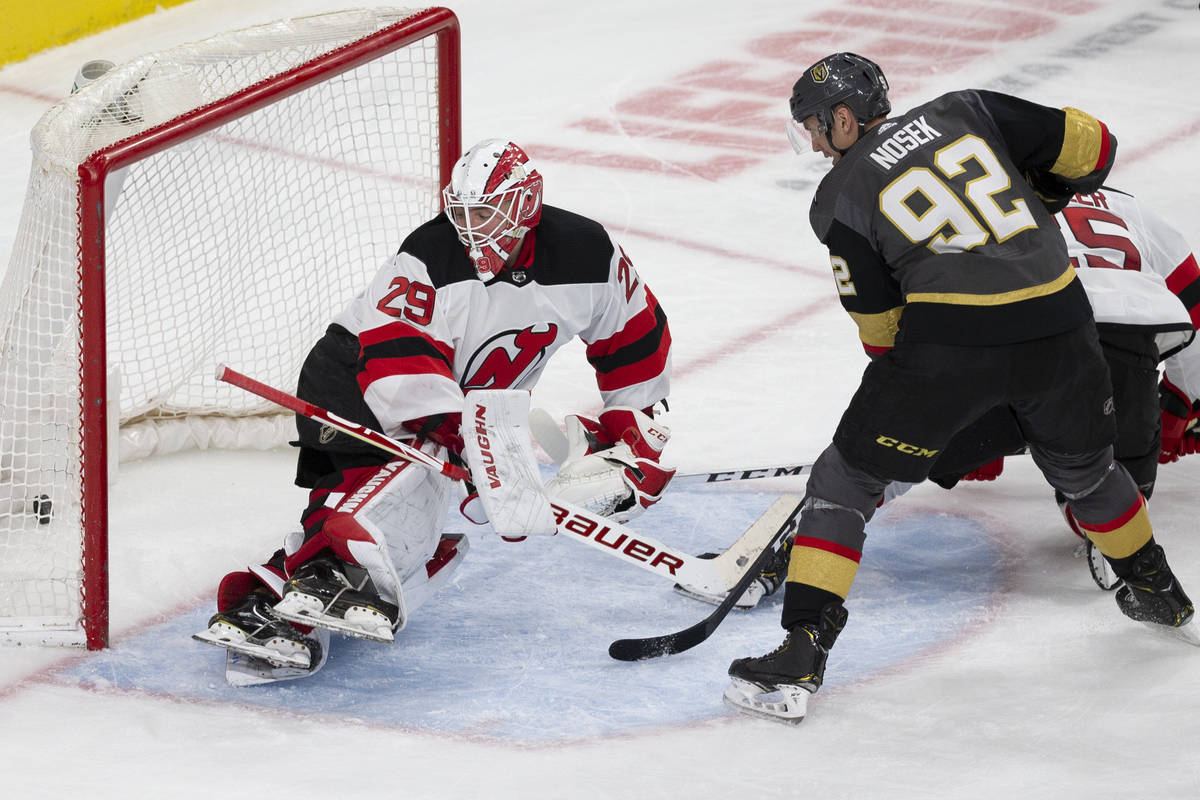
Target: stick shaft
306,409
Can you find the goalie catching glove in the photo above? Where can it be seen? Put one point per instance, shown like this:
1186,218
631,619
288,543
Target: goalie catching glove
612,463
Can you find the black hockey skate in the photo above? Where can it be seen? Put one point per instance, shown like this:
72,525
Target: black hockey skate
1152,595
252,630
320,594
778,684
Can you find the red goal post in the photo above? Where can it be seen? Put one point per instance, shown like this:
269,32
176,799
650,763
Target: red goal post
218,201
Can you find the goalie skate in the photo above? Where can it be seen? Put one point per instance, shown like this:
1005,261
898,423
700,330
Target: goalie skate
251,630
781,703
245,670
322,596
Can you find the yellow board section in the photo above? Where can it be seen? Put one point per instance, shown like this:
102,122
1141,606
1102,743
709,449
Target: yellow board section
30,27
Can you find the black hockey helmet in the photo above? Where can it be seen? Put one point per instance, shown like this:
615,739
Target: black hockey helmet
841,79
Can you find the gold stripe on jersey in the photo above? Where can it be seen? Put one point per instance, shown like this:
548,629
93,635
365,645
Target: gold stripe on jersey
822,569
878,330
1083,138
998,299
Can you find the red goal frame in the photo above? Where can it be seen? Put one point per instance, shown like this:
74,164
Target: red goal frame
91,312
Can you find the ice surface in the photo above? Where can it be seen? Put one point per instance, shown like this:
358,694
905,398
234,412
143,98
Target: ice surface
980,661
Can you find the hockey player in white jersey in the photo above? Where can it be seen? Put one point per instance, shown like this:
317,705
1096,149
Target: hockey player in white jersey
479,297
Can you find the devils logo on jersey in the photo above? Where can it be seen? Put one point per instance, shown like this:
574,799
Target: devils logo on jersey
508,358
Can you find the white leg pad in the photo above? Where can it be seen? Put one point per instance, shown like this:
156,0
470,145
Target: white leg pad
421,585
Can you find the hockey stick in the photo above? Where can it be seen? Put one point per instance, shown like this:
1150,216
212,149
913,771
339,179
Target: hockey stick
781,471
723,571
498,446
672,643
643,551
305,409
554,442
600,532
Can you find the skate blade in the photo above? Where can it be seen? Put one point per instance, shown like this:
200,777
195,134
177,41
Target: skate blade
307,610
1187,632
244,670
1101,572
300,658
786,704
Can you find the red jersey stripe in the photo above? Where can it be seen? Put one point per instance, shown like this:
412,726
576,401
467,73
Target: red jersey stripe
828,547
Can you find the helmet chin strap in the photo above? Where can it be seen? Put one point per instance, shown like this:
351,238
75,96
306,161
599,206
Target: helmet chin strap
841,151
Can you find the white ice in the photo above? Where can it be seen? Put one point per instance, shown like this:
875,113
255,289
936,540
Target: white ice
980,660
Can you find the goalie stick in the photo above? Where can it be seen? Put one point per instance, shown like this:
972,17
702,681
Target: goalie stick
306,409
547,434
672,643
609,536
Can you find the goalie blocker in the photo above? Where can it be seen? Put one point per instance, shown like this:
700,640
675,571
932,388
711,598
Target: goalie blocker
500,452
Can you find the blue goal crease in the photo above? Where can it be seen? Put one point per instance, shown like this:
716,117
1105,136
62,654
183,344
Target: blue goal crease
514,648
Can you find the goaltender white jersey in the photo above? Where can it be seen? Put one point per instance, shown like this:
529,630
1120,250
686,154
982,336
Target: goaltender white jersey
429,329
1138,272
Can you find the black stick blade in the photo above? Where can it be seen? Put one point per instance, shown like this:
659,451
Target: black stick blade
671,643
658,646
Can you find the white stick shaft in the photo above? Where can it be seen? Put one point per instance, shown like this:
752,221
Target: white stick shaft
613,538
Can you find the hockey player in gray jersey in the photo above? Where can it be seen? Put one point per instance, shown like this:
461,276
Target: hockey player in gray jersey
945,254
479,297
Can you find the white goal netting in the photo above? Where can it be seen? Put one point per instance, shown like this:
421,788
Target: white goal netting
257,180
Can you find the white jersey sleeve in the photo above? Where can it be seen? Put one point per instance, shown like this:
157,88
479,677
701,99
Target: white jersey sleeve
628,340
407,346
1138,271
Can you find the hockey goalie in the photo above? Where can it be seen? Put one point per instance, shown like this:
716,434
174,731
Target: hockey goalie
478,298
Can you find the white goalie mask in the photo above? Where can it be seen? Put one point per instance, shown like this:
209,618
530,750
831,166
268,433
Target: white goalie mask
493,199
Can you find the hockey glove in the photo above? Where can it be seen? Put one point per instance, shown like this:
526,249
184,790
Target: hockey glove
988,472
1176,413
612,463
444,429
1053,190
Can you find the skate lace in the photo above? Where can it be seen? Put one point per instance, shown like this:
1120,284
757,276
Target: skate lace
267,622
787,641
347,586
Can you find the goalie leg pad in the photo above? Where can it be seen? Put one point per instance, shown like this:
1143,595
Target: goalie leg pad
424,583
387,521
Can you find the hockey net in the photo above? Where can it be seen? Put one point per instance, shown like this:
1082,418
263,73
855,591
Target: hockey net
215,202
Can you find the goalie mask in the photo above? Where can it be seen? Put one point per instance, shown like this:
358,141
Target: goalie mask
840,79
493,199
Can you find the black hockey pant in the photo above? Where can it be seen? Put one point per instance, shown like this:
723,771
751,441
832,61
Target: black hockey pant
914,399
